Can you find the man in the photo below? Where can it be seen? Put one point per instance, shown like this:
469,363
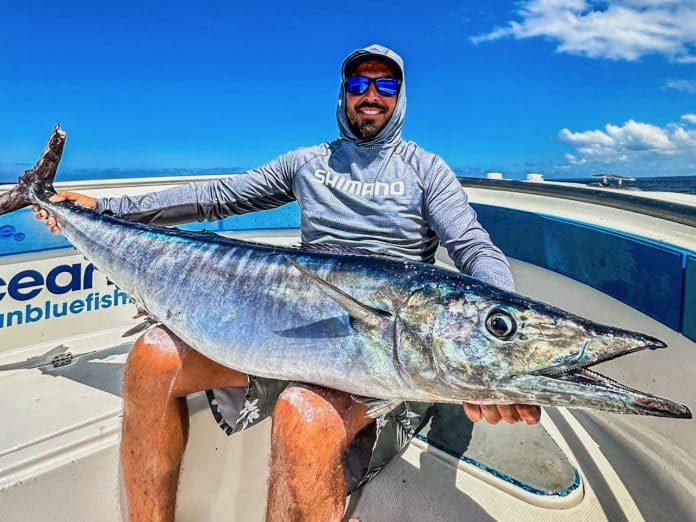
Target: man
369,189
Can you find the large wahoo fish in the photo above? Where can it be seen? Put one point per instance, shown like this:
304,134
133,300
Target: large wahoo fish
375,326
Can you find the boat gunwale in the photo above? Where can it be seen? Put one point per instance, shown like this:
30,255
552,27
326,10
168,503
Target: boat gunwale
667,210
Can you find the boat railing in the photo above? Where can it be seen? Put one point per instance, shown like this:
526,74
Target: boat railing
668,210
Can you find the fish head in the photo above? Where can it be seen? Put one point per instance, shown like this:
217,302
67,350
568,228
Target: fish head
491,346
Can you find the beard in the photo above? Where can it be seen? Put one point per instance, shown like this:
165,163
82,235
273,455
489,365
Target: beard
365,129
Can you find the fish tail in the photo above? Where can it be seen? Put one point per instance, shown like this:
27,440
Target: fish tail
37,180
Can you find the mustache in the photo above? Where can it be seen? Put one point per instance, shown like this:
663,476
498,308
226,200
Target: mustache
374,105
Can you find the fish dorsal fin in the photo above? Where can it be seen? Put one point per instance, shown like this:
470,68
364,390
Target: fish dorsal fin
355,308
376,407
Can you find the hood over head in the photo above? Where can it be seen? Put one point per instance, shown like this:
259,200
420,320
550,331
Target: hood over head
391,133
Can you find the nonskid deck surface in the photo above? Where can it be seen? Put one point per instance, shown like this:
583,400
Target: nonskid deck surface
48,405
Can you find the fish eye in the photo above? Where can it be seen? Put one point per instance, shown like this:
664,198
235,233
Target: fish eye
501,324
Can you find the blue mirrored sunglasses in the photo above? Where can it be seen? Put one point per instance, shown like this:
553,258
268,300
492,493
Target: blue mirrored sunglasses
384,86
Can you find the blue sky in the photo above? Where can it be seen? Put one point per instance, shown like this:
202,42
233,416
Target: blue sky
563,87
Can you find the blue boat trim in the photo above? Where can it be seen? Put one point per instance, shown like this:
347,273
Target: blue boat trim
503,476
689,304
613,231
647,275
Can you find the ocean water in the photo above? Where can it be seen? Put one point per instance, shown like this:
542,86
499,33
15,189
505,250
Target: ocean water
683,184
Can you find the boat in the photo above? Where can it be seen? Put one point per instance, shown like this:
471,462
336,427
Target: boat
619,259
606,180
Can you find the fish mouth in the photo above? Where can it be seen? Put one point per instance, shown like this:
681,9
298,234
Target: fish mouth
606,393
582,361
585,377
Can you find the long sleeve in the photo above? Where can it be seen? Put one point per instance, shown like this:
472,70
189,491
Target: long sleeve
263,188
455,222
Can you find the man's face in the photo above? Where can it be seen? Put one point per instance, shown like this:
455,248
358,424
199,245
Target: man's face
368,113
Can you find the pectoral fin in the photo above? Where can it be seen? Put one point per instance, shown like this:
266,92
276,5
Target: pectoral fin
140,327
376,407
355,308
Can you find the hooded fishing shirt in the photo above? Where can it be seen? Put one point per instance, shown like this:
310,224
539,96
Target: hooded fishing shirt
385,194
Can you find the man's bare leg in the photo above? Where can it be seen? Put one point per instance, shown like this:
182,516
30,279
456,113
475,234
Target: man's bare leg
312,428
160,372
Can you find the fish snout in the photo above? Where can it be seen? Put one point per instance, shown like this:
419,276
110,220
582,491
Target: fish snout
614,343
652,343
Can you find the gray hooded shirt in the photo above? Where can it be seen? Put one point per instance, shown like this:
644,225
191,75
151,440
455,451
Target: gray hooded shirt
385,194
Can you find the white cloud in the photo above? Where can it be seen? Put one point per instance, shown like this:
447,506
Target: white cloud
573,160
681,85
617,30
632,139
684,139
640,136
596,137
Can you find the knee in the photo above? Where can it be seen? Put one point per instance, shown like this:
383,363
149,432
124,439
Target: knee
302,412
154,360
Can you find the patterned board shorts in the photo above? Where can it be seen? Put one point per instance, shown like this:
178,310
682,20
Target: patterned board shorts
236,409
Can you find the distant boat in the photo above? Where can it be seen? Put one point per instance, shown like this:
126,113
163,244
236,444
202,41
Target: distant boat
606,181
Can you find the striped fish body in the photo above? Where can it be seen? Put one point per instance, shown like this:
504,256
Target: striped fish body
248,307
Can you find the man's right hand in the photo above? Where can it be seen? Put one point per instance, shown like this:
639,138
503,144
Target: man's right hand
78,199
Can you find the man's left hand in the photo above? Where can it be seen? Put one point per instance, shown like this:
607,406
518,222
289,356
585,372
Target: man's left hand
510,413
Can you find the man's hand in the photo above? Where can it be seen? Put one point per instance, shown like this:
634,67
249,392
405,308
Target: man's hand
510,413
78,199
